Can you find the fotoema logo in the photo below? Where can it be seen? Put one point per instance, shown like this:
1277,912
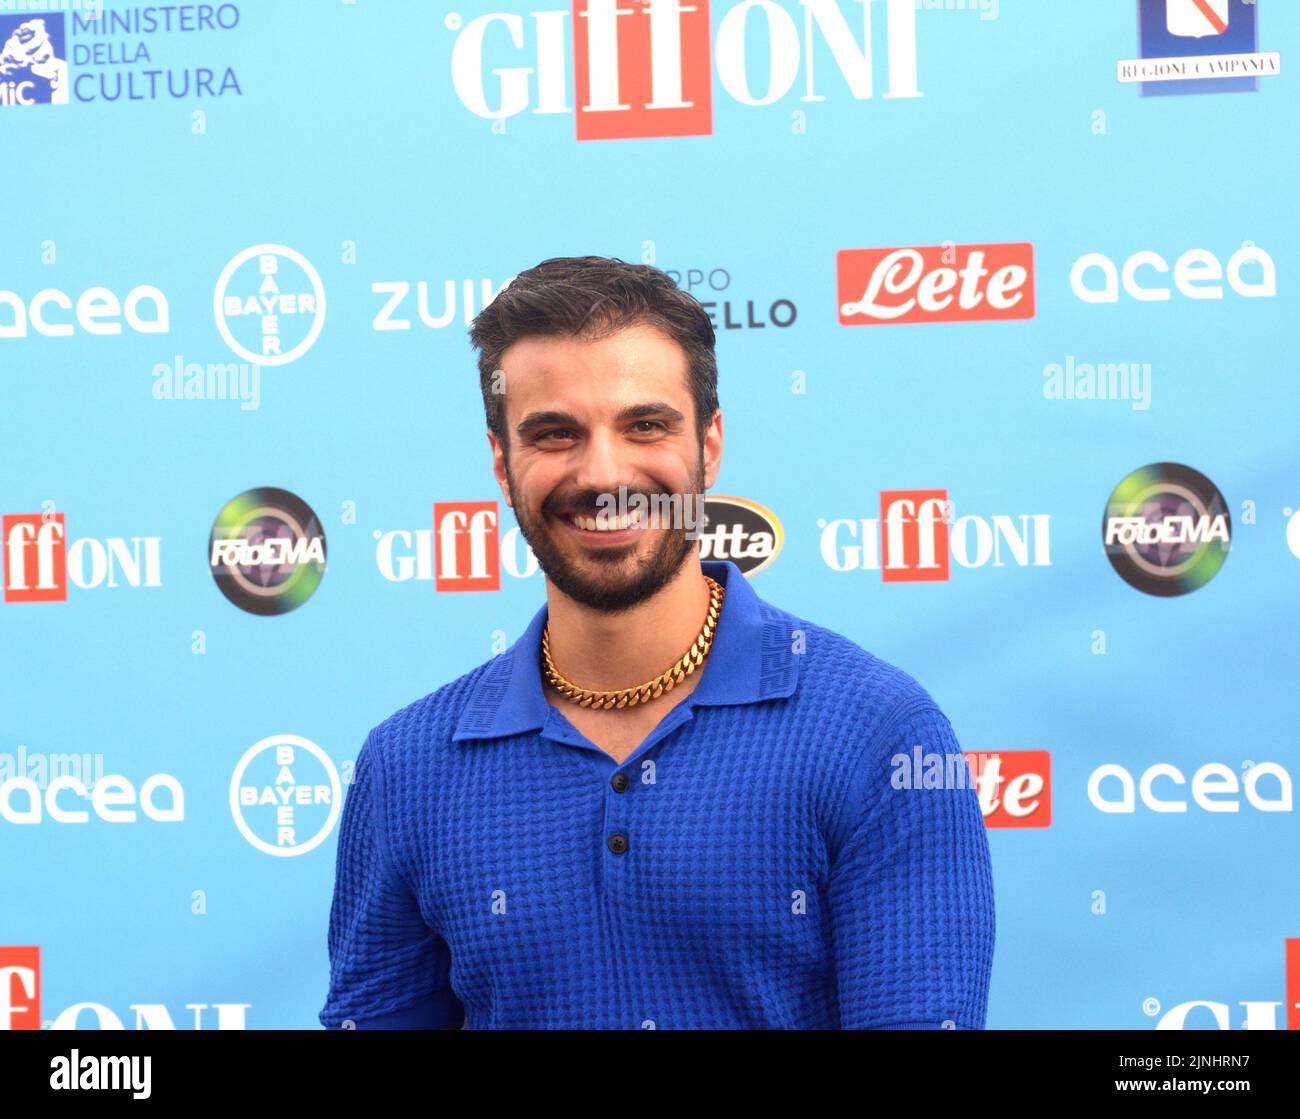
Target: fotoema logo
1166,529
266,551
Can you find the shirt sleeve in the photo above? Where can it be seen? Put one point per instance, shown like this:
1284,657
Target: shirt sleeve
911,885
388,969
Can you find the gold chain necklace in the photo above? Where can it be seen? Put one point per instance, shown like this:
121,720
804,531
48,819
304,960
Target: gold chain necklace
651,689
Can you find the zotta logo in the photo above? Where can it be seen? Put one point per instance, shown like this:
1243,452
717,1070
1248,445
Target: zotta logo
644,69
921,533
1258,1015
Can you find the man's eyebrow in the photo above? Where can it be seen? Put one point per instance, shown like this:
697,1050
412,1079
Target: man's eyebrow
534,420
656,408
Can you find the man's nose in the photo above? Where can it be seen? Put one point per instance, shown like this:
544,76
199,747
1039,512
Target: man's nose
603,464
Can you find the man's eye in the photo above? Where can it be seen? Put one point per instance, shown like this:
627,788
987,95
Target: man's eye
653,423
559,431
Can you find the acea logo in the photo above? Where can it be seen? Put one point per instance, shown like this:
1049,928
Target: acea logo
1198,46
1196,274
1215,787
267,551
1166,529
285,795
269,304
69,788
740,530
33,61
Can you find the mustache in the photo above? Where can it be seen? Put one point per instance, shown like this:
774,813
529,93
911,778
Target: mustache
592,502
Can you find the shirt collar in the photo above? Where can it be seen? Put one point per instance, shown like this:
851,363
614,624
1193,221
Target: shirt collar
751,660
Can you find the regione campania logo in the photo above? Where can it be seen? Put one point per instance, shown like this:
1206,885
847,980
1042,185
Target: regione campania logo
1198,46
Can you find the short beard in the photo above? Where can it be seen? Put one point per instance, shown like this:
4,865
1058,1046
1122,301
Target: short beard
650,578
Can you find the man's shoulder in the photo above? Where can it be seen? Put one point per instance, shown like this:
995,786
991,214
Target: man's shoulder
430,721
834,667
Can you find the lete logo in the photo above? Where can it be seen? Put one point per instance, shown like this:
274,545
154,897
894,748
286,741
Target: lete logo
1015,787
937,283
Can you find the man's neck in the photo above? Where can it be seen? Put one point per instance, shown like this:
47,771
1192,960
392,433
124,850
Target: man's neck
604,651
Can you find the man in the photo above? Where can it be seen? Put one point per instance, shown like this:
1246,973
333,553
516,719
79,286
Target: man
669,804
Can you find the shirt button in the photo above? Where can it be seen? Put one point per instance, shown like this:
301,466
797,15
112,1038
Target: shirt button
618,843
620,782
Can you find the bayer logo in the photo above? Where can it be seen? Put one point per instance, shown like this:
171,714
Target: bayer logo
285,795
269,305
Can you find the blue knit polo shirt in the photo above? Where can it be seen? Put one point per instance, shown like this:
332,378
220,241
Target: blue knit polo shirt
750,865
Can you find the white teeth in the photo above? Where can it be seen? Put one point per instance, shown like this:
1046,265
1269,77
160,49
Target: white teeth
605,523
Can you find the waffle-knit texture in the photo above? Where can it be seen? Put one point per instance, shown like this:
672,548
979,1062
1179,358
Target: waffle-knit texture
774,875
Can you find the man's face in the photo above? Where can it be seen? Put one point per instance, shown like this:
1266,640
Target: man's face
585,418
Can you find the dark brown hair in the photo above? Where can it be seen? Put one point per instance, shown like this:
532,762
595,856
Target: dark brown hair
591,297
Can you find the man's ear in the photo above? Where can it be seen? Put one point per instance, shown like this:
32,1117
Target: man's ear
713,450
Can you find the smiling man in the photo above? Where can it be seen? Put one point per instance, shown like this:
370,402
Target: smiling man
669,804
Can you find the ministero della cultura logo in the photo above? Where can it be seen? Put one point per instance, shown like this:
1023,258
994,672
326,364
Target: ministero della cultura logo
269,304
266,551
33,61
285,795
118,56
1166,529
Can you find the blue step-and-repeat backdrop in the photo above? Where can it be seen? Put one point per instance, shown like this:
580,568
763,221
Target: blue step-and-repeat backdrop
1003,292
